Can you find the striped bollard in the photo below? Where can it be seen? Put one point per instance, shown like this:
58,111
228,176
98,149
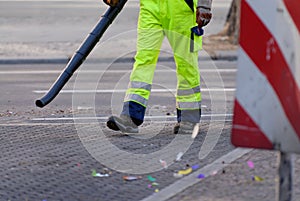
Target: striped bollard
267,103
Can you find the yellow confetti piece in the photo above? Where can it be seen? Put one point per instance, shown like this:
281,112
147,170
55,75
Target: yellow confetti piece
257,178
156,190
185,172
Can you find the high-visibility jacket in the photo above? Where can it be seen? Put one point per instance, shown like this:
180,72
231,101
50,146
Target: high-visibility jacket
172,19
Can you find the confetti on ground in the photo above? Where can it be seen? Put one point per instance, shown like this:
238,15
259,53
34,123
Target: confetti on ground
101,175
150,178
156,190
201,176
163,163
179,155
214,173
176,175
131,178
257,178
185,172
106,171
195,167
153,184
250,164
95,174
195,131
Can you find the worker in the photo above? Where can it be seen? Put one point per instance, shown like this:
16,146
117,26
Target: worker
173,19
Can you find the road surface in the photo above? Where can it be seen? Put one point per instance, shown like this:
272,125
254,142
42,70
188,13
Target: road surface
49,153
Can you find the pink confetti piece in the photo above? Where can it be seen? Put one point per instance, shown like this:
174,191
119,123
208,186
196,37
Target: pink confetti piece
214,173
163,163
250,164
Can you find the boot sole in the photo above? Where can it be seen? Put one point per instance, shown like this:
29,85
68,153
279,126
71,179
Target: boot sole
116,126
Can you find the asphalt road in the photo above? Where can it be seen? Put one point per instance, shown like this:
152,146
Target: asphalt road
43,130
22,84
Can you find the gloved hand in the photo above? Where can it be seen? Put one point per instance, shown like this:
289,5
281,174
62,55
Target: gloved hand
111,3
203,16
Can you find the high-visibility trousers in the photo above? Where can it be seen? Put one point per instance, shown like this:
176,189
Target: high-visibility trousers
172,19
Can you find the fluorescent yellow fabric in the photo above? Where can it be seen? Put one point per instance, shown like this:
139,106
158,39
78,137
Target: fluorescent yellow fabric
172,19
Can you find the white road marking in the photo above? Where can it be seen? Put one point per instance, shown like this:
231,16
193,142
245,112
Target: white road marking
190,180
39,124
105,118
66,91
32,72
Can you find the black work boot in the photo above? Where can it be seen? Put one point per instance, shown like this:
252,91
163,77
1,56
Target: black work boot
187,122
184,127
123,123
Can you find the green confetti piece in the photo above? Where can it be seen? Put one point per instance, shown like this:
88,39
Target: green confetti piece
151,178
94,173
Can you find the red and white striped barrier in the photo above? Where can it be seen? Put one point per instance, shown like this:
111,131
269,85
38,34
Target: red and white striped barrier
267,104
